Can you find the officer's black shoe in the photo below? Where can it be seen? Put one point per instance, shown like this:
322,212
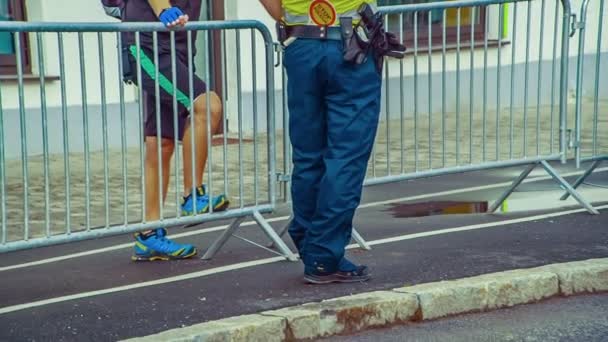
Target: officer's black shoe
361,274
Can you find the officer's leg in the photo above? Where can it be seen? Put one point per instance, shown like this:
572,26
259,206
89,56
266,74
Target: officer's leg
353,106
307,133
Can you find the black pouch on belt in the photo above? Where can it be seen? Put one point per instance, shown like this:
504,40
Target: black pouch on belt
281,32
355,49
127,72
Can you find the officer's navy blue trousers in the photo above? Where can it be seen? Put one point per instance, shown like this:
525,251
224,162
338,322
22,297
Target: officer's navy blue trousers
334,108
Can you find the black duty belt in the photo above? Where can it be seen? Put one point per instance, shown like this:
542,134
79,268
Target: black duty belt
314,32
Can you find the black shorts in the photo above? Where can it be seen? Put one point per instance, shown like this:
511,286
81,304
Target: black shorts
166,89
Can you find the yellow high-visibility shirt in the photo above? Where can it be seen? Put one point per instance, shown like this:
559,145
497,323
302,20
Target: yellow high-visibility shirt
321,12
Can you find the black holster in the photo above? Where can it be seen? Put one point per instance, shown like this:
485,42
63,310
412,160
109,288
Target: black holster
355,49
369,35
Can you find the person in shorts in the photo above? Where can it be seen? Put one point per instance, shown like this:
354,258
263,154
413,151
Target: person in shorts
153,244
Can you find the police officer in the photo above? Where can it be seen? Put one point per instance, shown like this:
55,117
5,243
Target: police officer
334,106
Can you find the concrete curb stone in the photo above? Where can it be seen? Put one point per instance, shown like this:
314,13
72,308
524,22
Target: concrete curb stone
254,328
483,292
581,276
347,314
354,313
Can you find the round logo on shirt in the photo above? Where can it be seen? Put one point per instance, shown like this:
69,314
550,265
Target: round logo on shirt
322,13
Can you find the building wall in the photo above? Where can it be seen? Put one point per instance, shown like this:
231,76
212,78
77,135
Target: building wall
79,11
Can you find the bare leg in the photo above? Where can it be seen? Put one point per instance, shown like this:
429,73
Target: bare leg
198,133
151,169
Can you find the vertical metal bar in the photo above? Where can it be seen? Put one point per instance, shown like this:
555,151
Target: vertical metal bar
498,67
526,77
430,84
123,132
485,84
85,123
2,173
402,99
540,74
193,191
443,87
551,130
159,152
224,118
140,127
563,106
104,125
597,78
286,143
579,87
374,150
255,117
458,10
175,122
239,90
270,119
416,91
66,145
208,120
387,109
23,131
471,83
512,97
45,134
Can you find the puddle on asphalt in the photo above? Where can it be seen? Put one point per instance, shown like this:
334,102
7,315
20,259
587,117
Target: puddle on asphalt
437,208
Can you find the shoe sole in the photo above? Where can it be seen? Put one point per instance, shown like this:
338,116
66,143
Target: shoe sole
335,279
163,257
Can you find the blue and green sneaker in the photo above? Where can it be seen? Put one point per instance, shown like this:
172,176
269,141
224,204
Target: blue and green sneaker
220,202
156,246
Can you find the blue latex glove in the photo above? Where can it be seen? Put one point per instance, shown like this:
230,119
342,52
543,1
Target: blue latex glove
169,15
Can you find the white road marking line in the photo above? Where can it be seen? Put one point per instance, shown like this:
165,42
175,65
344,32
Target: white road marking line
248,264
140,285
283,218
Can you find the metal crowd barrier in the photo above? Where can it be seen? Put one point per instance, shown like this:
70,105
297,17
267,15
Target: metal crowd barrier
503,111
590,141
76,169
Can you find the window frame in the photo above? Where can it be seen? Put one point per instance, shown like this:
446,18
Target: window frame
451,32
8,63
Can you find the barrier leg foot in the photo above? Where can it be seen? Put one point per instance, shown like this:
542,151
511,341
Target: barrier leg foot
281,232
219,242
360,240
512,188
356,236
274,237
551,171
582,178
